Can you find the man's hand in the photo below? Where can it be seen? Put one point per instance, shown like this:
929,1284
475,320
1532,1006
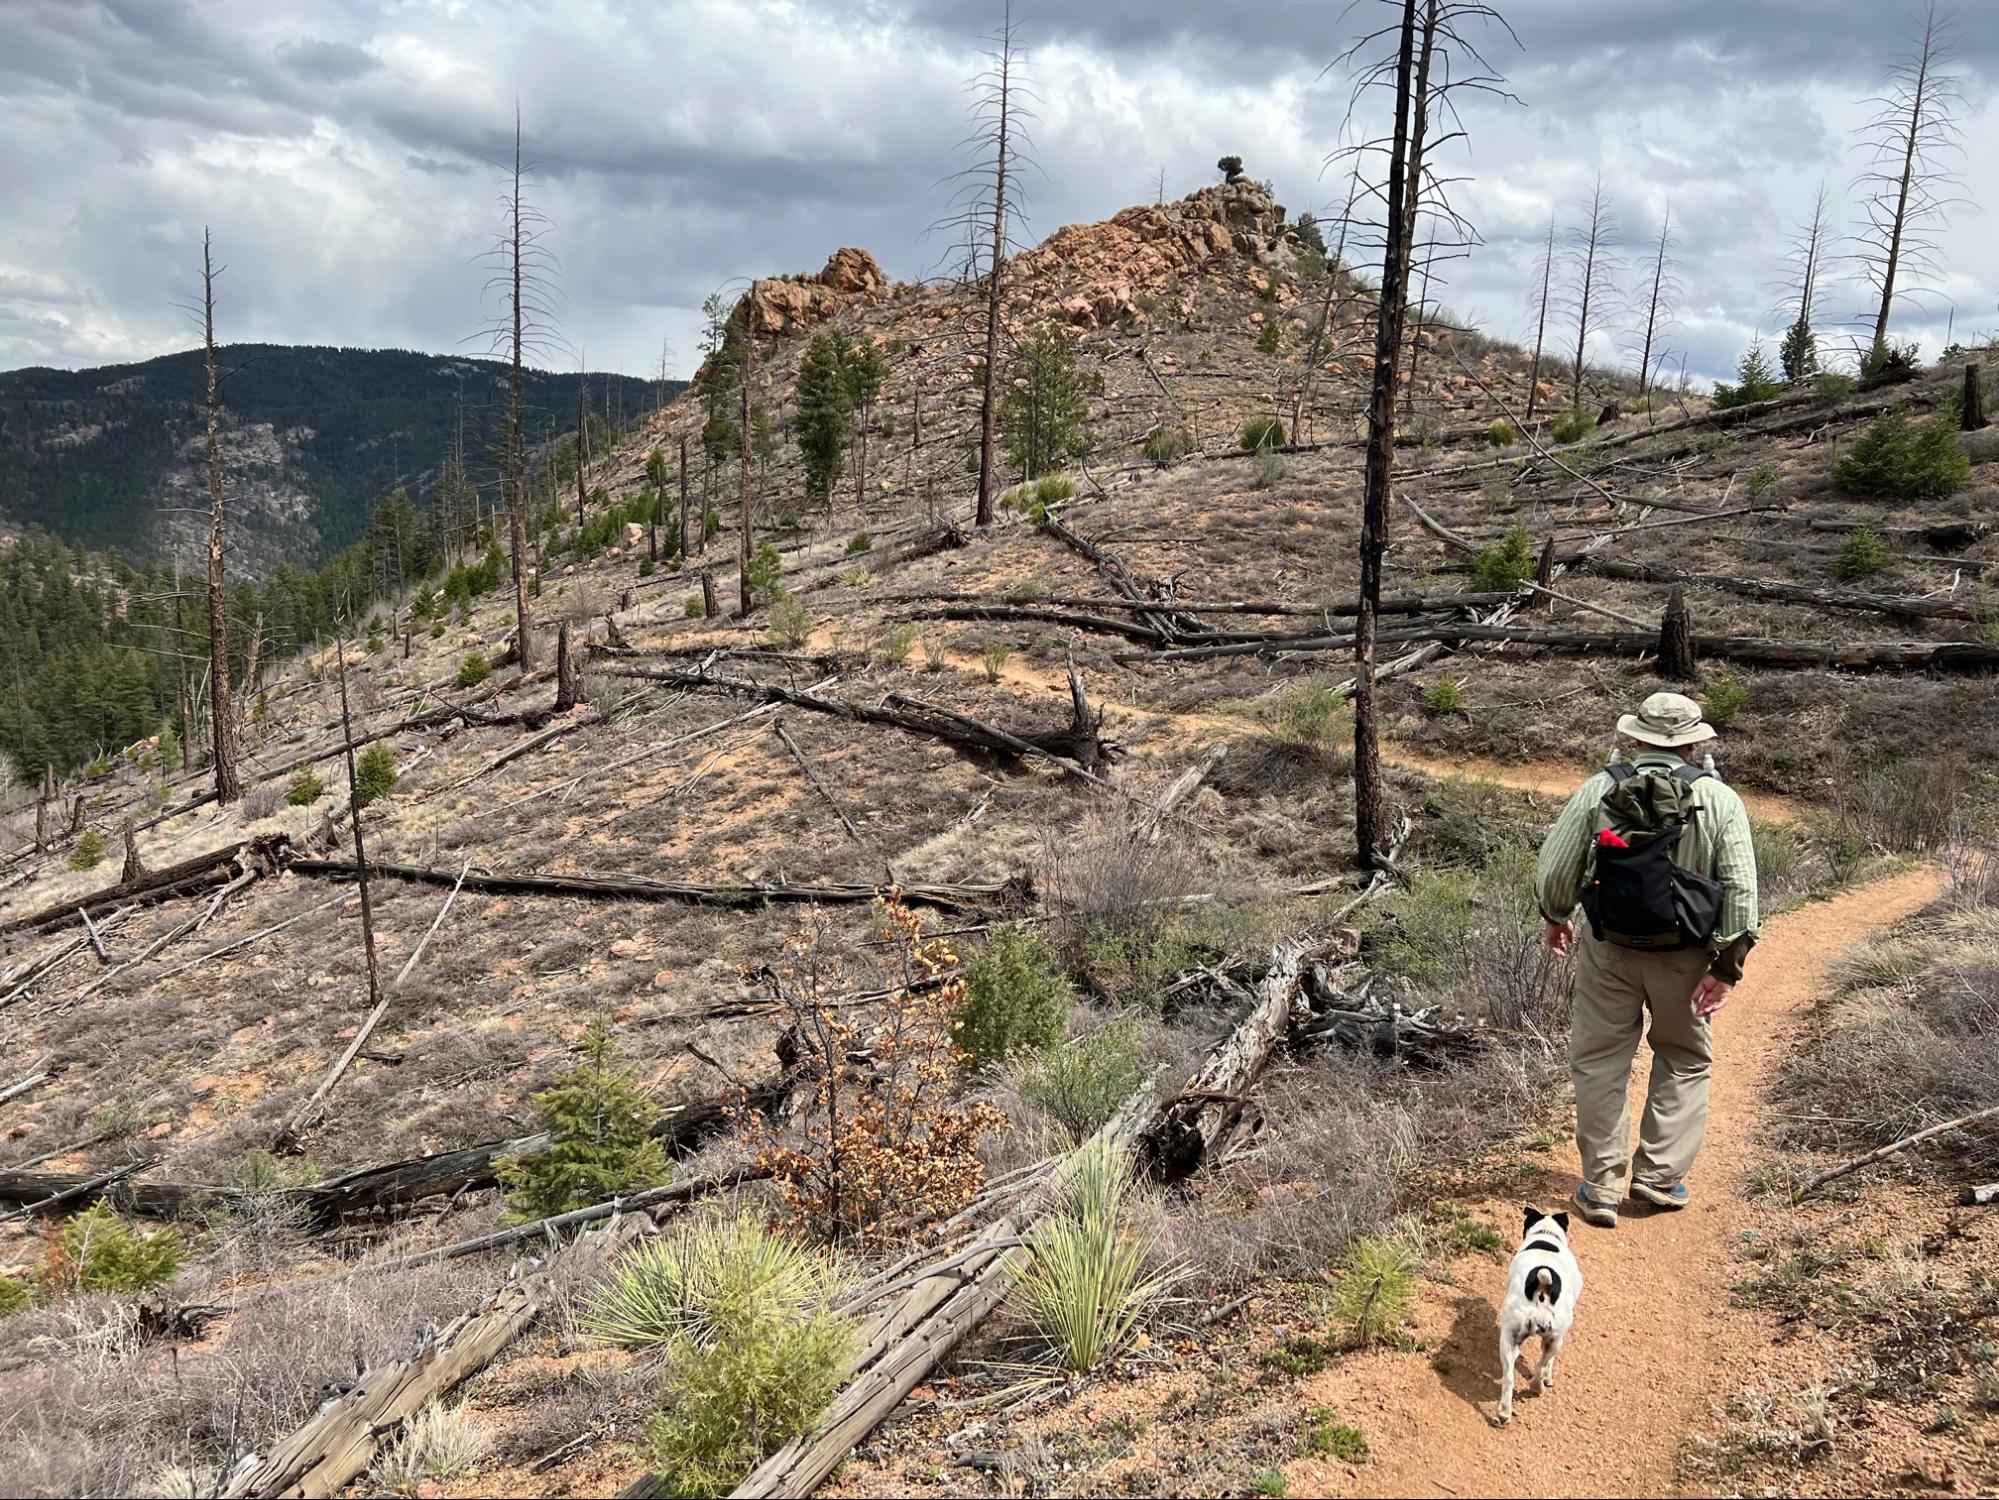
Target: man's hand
1560,938
1710,995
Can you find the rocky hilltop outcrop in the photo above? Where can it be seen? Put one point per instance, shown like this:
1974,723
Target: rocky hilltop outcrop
792,304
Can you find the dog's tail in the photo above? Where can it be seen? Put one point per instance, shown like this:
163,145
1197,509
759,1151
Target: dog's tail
1544,1285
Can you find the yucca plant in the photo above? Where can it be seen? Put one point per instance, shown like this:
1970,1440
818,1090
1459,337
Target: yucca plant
693,1284
1091,1285
1376,1290
439,1444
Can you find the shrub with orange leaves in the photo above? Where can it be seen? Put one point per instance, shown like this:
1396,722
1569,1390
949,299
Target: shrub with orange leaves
886,1144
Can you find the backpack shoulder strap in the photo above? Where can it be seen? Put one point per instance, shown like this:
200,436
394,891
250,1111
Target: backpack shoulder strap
1620,771
1688,772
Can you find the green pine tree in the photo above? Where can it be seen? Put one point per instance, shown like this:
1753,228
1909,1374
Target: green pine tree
601,1143
1045,404
825,422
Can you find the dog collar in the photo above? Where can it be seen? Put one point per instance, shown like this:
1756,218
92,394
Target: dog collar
1548,1245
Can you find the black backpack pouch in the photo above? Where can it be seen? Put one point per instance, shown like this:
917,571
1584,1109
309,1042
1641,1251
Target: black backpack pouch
1641,897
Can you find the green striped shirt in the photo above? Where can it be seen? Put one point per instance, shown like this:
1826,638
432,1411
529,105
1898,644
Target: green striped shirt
1718,845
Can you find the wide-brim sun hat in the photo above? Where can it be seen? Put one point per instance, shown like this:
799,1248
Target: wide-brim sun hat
1668,720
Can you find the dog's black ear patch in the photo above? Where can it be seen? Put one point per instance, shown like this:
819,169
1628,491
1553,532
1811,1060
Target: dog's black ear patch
1563,1220
1534,1216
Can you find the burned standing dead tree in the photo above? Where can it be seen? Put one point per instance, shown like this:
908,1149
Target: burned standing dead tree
1541,319
1906,190
986,208
1421,73
1658,301
744,533
1593,264
522,268
1676,640
1799,353
221,707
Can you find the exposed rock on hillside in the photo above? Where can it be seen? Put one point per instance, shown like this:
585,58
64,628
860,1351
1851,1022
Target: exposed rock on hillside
791,304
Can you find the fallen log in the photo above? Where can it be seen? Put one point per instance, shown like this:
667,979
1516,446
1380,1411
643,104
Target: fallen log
338,1443
1048,613
1211,1105
1159,614
38,1192
1410,604
193,924
897,711
958,897
1950,656
1785,593
680,1128
818,785
261,852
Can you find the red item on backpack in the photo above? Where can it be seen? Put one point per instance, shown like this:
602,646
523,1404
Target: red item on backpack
1608,839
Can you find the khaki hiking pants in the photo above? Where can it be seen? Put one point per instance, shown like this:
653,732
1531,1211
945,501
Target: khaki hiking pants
1615,987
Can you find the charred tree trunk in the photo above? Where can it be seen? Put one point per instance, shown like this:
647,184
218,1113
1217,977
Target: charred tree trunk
565,671
684,549
135,868
360,849
228,786
989,383
1541,321
1404,189
1972,417
582,444
749,368
516,446
1676,640
710,605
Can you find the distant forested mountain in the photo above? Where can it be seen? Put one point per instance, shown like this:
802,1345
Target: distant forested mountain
113,457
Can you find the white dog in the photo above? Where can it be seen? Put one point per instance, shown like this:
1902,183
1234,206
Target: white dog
1541,1291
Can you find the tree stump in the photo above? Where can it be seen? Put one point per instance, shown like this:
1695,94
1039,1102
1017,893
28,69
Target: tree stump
1544,574
1676,640
135,868
710,606
565,671
1973,416
76,815
1610,413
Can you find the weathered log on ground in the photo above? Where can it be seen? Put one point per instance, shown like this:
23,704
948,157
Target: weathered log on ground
1414,604
1945,536
1212,1104
1785,593
262,852
680,1129
1947,656
1158,613
1047,613
40,1192
896,711
1894,1148
637,888
338,1443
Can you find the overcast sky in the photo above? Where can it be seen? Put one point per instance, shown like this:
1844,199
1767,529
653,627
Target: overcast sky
347,153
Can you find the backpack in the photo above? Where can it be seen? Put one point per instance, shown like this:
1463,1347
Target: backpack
1641,896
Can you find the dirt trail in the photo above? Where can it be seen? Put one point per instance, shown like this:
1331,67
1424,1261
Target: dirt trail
1656,1341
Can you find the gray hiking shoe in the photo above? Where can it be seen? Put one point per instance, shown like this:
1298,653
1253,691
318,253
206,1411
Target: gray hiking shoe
1675,1196
1594,1210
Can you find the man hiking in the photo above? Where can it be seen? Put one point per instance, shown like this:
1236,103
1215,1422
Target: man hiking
1658,853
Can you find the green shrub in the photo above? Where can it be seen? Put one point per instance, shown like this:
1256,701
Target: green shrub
14,1296
1761,478
1890,359
1090,1288
1326,1437
693,607
1262,433
1375,1291
88,852
858,543
1168,446
374,774
1508,563
1446,696
750,1369
1573,426
1724,699
1830,385
1016,997
894,645
790,620
1861,554
474,670
1081,1083
647,567
437,631
1899,458
672,1288
1431,924
1501,434
1267,469
306,789
1269,337
1310,716
1754,381
1272,1485
1052,489
766,566
98,1251
994,659
599,1125
376,645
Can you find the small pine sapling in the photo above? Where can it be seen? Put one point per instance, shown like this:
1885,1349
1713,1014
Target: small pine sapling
601,1143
